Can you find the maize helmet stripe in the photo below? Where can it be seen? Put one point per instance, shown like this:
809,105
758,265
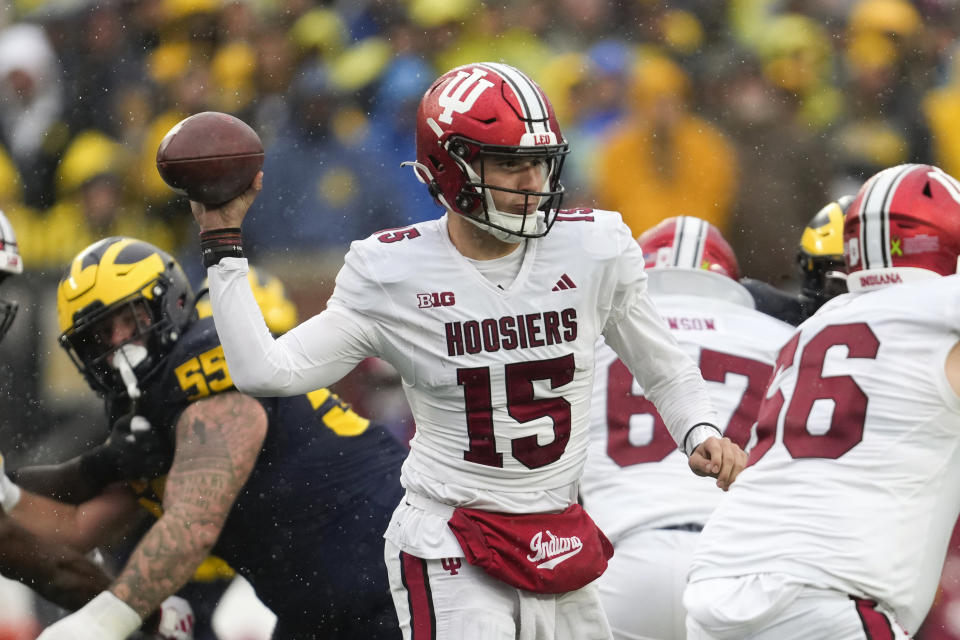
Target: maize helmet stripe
689,242
875,217
535,113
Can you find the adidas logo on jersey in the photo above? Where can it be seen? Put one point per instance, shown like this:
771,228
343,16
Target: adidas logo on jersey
564,283
548,554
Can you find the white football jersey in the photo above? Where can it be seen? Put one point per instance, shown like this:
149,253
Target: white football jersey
635,477
854,483
498,380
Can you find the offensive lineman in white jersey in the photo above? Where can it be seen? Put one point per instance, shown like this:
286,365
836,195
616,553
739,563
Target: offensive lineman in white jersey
839,527
636,485
491,324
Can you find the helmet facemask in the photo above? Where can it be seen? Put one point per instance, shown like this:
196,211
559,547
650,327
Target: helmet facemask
477,197
116,370
824,277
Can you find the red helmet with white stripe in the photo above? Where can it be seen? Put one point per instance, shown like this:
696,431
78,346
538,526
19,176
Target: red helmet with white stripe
687,242
488,109
903,225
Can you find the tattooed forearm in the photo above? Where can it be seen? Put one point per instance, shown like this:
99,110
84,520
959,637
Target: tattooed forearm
218,441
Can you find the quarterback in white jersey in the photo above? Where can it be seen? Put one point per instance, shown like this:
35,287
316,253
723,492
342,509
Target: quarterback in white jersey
839,527
636,485
491,324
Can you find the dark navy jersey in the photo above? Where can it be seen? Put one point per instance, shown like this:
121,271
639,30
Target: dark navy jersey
307,527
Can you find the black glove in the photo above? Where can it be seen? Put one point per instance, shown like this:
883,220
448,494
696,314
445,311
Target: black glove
133,451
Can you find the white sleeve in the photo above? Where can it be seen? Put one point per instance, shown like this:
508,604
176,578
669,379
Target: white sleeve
670,379
314,354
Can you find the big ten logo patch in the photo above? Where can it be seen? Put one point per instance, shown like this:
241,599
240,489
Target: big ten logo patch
431,300
451,564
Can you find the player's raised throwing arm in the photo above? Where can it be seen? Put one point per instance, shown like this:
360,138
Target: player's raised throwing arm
315,354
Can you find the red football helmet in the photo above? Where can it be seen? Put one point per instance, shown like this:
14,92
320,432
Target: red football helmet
903,225
488,109
686,242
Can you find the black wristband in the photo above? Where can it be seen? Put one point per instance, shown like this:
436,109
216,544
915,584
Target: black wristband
99,466
220,243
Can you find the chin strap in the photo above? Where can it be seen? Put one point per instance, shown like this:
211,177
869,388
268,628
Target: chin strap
499,234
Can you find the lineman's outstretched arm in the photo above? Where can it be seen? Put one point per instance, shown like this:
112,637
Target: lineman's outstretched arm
52,569
65,481
133,451
84,526
56,572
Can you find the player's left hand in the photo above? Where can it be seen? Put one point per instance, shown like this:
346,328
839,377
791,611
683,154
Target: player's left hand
106,617
718,458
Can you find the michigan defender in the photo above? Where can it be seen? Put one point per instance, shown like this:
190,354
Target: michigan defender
820,261
293,493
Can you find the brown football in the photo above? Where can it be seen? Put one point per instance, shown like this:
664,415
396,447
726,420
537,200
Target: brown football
210,157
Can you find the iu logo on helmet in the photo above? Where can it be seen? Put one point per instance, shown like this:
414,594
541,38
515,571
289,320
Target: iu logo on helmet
452,97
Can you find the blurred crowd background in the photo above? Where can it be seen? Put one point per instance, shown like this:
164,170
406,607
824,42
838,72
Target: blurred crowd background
751,114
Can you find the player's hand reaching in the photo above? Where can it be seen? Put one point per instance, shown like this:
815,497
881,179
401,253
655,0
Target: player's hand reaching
718,458
231,213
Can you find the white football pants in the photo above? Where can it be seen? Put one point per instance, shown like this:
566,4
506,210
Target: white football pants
778,607
642,588
449,599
